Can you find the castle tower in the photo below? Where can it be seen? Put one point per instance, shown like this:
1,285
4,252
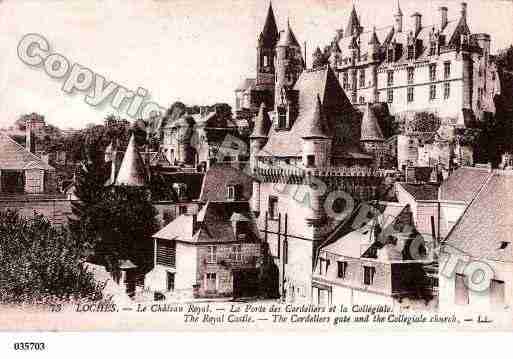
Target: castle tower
316,139
353,27
398,18
258,137
374,58
371,138
289,63
266,50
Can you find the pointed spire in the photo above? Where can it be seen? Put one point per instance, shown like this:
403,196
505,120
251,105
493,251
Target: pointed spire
398,11
318,51
262,123
370,130
353,25
132,171
288,38
353,44
269,34
316,128
374,38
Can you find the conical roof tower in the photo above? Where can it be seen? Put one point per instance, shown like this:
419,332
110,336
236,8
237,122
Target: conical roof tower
132,171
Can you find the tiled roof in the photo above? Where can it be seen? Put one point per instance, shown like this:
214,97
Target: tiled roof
218,177
422,191
463,184
371,131
132,171
262,123
338,113
14,156
214,224
287,37
486,226
316,128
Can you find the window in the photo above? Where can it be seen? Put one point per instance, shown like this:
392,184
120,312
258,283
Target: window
170,281
368,275
411,74
447,70
362,78
230,193
353,98
345,81
310,160
166,253
285,251
410,52
447,90
341,269
390,95
410,94
432,72
361,100
211,284
460,290
323,266
282,117
432,92
182,210
211,254
432,48
390,78
236,252
273,207
266,60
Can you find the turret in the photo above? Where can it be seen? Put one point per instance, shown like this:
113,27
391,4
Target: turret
443,16
416,22
353,27
398,18
259,136
266,49
336,54
317,139
289,63
132,171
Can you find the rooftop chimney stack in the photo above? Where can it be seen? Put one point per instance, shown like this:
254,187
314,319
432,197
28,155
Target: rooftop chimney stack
443,17
417,22
30,143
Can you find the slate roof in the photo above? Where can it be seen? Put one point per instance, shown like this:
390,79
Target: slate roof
463,184
218,177
269,34
262,123
316,128
353,24
14,156
487,222
422,191
339,115
214,224
287,37
132,171
371,131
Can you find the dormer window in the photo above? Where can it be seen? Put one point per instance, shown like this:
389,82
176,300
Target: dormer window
231,192
180,190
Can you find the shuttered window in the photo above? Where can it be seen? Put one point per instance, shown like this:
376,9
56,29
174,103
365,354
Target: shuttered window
166,253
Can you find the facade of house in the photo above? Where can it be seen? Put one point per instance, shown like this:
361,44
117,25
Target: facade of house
372,262
215,252
479,246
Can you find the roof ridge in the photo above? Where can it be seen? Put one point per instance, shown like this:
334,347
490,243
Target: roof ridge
20,147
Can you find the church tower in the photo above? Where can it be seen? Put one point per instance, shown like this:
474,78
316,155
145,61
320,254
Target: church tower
398,19
289,64
266,50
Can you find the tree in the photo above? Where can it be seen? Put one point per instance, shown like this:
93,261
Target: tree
41,263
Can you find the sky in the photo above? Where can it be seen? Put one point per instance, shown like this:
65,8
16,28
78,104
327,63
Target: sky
193,51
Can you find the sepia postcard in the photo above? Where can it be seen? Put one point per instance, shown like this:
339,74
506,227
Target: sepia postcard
256,165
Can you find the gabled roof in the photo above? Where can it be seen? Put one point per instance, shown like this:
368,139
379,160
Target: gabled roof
485,229
338,114
353,24
371,131
374,38
262,123
14,156
421,191
132,171
214,225
287,37
218,177
463,184
269,34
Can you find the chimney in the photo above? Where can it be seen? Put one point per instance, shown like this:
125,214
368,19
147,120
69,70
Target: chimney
464,10
417,24
443,16
30,143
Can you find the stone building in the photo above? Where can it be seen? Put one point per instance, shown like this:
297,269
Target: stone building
307,146
441,68
371,262
214,252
